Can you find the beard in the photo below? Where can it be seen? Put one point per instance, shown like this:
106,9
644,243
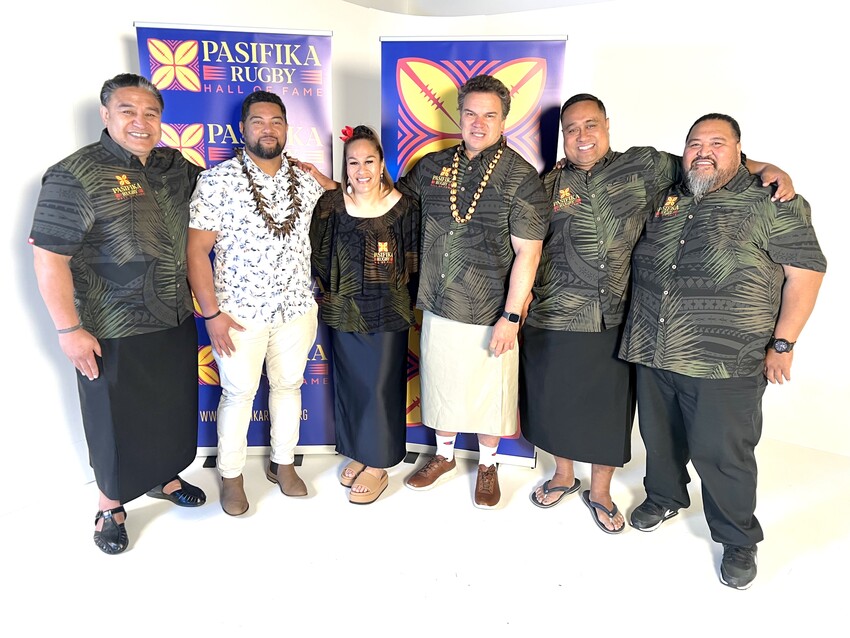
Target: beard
265,152
701,182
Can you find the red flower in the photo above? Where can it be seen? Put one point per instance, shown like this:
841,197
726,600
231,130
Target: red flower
347,132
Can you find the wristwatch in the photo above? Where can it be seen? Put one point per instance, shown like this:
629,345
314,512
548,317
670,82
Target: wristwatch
511,316
781,345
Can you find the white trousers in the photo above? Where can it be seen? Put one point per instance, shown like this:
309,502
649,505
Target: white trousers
284,347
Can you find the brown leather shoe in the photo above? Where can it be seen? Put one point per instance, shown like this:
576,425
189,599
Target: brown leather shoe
434,472
487,493
233,499
289,482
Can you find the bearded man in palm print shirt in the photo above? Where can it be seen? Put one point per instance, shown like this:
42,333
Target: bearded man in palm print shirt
724,279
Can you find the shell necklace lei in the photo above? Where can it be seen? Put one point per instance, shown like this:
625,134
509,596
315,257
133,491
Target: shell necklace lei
276,228
477,195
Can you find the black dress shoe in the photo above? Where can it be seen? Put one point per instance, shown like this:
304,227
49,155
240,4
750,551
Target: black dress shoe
186,496
112,537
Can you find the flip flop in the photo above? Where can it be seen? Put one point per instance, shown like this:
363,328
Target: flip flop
565,491
593,506
376,487
354,466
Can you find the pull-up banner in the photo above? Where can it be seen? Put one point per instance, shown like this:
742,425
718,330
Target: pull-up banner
419,85
204,75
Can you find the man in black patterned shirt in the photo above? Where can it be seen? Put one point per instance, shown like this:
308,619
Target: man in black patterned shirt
725,278
109,241
484,217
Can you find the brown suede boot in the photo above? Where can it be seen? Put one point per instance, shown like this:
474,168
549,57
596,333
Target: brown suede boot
289,482
233,499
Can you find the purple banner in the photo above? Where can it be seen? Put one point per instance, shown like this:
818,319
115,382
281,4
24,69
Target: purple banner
204,76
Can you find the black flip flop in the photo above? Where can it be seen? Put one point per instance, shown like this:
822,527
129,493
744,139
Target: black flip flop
575,487
593,506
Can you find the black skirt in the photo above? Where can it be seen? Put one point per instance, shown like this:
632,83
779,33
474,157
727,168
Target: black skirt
141,414
577,398
370,396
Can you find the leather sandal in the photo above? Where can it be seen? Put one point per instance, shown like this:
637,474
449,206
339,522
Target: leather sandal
187,495
376,487
356,467
112,537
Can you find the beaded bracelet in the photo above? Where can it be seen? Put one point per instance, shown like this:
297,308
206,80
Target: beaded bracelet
212,316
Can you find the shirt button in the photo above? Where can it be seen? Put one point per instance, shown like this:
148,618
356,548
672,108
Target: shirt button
442,275
601,241
690,216
593,195
666,292
602,265
673,266
451,232
602,290
445,254
661,320
682,241
598,218
463,188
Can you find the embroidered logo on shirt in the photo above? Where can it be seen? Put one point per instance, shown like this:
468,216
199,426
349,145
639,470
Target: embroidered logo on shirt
383,254
126,189
670,208
444,179
565,200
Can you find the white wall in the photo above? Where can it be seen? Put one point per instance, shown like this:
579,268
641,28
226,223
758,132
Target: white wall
778,67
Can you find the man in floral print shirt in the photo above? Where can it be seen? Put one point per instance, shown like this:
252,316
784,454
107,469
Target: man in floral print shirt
254,211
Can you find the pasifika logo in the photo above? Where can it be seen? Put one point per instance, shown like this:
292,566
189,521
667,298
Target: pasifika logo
126,188
383,254
670,207
565,200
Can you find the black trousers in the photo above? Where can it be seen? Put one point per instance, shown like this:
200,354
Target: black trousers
715,424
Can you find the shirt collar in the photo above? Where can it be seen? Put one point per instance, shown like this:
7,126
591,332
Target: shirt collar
602,163
126,157
487,153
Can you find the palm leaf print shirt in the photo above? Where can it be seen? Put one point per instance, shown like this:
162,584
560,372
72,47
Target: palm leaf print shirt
708,278
124,225
582,282
465,268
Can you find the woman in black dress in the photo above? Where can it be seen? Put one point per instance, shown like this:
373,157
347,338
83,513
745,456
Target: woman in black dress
365,242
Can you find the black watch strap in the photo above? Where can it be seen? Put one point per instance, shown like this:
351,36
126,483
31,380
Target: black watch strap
780,345
511,316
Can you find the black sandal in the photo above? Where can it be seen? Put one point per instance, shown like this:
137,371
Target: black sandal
187,495
112,537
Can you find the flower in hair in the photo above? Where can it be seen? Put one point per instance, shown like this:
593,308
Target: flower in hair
347,132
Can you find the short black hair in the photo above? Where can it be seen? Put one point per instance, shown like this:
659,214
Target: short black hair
736,129
584,97
128,80
485,84
261,96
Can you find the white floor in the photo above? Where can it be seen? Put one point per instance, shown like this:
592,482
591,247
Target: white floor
426,563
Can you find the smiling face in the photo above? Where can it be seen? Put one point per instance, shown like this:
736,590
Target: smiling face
133,119
363,166
711,157
585,129
264,130
481,122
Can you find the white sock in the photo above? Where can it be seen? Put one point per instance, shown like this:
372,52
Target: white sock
446,446
486,454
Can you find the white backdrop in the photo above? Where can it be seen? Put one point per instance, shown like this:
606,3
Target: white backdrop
779,68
